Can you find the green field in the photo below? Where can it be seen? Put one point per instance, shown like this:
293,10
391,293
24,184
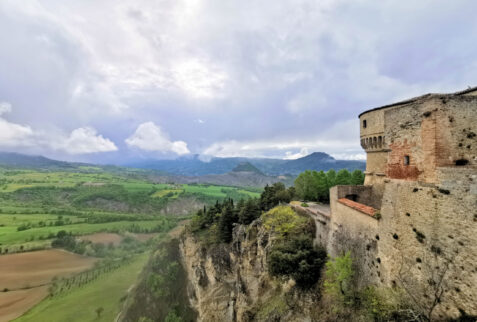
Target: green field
10,236
91,200
80,303
41,208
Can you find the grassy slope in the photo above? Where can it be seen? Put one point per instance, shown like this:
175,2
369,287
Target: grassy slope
9,235
81,303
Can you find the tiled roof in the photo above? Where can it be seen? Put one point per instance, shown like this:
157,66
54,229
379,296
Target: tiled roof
370,211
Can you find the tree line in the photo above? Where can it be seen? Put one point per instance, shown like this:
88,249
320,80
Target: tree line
309,185
315,186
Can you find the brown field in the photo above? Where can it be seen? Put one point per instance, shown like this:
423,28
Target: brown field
14,304
103,238
26,276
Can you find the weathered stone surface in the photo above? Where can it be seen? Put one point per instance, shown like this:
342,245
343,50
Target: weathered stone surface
425,240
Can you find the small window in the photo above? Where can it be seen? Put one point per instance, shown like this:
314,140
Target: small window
406,160
364,123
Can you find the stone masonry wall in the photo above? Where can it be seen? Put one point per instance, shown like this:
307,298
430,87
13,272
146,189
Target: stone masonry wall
428,242
354,231
426,239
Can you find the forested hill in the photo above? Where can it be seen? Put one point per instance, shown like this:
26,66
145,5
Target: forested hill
194,166
17,160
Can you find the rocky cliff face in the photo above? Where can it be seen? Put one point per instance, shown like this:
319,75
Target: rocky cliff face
231,283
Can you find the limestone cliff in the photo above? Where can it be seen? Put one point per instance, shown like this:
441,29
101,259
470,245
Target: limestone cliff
231,283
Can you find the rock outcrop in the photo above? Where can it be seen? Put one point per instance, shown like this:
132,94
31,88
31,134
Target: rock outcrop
231,282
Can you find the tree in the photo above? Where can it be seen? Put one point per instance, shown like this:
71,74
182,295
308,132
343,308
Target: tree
357,177
343,177
339,274
249,212
321,186
173,317
226,222
331,178
295,257
99,311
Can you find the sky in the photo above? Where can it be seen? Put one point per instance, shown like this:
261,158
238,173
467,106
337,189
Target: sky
115,81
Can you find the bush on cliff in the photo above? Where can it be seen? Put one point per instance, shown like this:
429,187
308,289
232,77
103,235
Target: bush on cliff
284,221
296,257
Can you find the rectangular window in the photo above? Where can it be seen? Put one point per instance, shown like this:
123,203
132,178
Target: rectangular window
406,160
364,124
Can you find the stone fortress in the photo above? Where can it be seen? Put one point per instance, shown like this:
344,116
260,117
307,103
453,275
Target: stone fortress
413,224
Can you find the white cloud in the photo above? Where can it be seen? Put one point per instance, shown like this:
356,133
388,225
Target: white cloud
12,134
150,137
198,79
80,141
339,140
277,148
5,107
86,140
289,155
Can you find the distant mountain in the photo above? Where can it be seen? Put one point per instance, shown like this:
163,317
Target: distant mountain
316,161
246,167
17,160
194,166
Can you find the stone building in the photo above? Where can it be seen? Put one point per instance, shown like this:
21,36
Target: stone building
413,224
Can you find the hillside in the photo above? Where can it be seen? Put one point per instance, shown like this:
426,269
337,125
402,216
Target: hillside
10,159
246,167
194,166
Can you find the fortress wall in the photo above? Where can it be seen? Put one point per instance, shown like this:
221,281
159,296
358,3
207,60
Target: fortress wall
374,123
457,136
354,231
435,132
428,241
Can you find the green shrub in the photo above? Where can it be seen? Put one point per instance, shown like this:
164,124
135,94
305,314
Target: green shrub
339,275
304,204
296,257
284,221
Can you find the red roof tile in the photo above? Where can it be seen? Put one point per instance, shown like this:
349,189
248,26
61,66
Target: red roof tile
370,211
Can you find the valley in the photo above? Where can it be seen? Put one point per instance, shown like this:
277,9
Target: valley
73,234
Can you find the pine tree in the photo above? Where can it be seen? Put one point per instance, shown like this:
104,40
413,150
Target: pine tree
249,212
226,222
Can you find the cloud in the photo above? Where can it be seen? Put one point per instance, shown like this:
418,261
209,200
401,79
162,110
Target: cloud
289,155
85,140
81,141
336,141
12,134
5,107
252,70
278,148
150,137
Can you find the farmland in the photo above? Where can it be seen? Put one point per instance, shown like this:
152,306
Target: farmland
23,284
64,307
69,237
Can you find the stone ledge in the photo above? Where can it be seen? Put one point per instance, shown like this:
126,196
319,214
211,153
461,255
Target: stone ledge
367,210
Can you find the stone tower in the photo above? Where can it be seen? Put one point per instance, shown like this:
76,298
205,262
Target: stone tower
413,224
